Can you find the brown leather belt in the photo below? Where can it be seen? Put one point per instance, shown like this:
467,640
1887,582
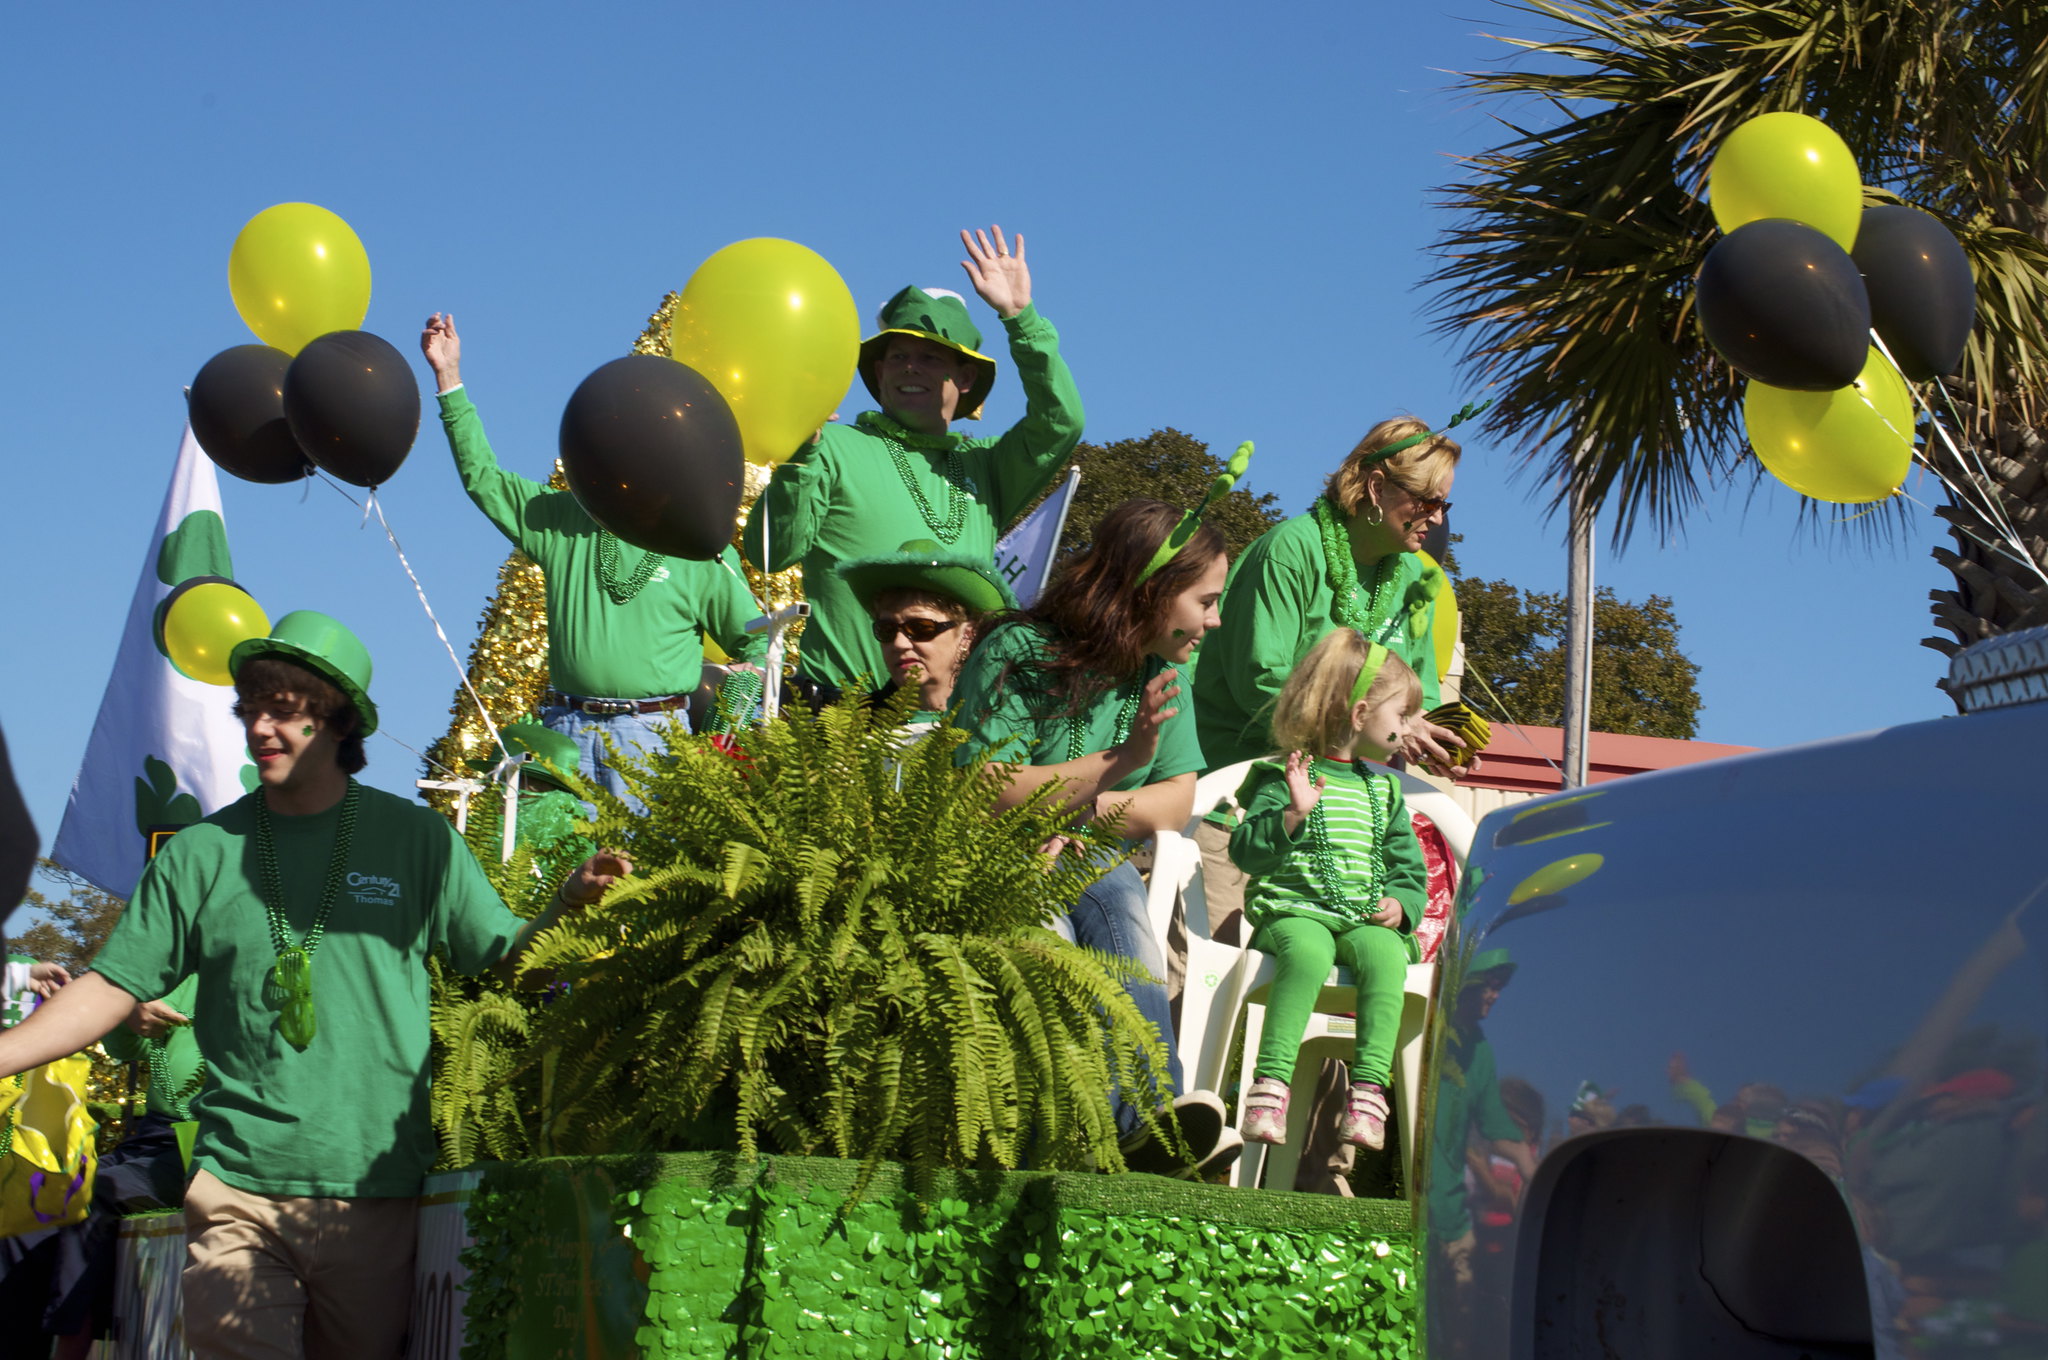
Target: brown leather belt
613,708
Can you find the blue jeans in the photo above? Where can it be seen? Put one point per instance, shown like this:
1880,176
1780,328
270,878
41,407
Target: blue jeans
1110,916
631,733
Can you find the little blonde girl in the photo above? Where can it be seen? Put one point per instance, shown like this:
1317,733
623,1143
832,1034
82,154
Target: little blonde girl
1338,875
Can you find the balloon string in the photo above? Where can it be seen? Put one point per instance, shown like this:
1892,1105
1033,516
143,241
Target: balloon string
371,503
1974,496
1508,719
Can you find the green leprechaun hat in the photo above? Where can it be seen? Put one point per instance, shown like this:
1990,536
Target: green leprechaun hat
322,645
922,564
1489,961
938,316
555,757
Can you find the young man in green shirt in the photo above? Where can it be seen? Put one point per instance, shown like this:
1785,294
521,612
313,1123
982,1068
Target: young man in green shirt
626,628
306,910
900,473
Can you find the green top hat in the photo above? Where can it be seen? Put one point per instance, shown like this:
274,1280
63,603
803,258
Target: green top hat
923,565
938,317
555,758
322,645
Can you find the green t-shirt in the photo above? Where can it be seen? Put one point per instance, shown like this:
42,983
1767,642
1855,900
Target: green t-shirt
651,645
170,1081
844,498
1276,605
1462,1107
1005,712
1283,867
347,1117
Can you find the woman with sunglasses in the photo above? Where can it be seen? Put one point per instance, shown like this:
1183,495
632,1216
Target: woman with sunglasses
1087,689
927,602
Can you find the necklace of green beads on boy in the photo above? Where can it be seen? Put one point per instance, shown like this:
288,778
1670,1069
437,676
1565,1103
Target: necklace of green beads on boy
1369,614
1324,855
608,568
292,978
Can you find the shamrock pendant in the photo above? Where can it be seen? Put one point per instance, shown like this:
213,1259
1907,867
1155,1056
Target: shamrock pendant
293,979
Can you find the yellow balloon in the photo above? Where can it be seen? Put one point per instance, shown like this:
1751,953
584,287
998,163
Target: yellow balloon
1555,877
773,327
1787,165
1446,629
1850,445
205,623
714,653
297,272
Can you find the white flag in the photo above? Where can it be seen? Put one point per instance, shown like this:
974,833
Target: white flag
1024,555
166,749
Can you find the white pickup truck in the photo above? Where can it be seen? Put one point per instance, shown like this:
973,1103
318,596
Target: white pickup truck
1746,1059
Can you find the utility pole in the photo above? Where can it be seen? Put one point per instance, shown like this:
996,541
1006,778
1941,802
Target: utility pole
1578,635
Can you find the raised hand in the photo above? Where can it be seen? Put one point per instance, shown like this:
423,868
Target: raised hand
1155,706
999,275
44,979
1304,786
443,348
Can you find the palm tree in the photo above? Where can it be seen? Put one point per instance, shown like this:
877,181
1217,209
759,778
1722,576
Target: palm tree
1567,274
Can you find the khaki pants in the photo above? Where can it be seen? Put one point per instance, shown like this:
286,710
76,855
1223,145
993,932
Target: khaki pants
271,1278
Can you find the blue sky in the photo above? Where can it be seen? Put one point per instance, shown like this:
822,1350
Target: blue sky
1228,212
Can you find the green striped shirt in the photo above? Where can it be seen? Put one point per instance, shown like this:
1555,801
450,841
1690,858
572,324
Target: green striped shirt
1286,881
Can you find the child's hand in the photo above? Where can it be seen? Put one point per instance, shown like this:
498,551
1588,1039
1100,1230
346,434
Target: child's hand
1389,914
1304,787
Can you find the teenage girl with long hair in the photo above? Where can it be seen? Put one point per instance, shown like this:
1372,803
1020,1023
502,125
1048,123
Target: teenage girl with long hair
1088,688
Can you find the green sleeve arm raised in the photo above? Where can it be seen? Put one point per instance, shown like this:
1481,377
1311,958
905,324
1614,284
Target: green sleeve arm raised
1260,843
504,497
793,507
1027,457
730,607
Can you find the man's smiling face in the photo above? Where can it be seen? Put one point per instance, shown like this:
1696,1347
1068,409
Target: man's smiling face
922,382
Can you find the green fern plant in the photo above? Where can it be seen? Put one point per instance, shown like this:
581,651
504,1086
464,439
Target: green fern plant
834,945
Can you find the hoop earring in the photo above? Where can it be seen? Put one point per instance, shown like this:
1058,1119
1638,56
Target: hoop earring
1376,519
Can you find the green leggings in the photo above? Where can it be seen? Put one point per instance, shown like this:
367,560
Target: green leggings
1305,950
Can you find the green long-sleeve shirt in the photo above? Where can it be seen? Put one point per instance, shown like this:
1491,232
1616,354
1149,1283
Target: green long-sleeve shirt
1283,868
1462,1106
1276,605
651,645
844,497
167,1083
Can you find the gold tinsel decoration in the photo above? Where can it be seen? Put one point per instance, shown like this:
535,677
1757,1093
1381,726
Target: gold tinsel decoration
508,664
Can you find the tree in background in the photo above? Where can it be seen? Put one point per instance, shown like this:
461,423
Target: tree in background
1165,465
1567,271
74,925
1643,684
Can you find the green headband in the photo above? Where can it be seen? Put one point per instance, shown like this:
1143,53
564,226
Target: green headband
1192,519
1469,411
1375,658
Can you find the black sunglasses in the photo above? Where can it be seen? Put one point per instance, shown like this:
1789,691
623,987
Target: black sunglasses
919,630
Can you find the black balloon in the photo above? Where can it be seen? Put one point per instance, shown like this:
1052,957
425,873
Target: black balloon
236,406
353,405
1784,304
1436,541
1922,298
653,454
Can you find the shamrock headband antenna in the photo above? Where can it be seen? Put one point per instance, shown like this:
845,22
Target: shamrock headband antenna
1192,520
1375,658
1469,411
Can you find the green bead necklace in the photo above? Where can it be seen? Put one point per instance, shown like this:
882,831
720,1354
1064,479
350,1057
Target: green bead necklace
1126,714
291,980
955,475
1324,855
1367,616
608,568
